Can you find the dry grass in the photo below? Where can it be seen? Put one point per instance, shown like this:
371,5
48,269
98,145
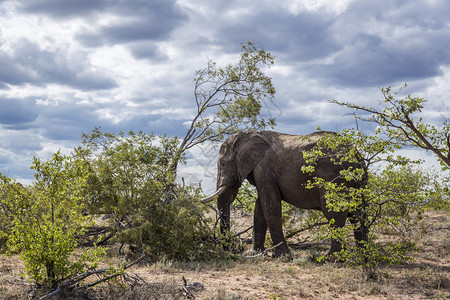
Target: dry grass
427,277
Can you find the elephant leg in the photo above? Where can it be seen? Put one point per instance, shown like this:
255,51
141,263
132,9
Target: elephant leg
259,227
360,230
271,206
339,222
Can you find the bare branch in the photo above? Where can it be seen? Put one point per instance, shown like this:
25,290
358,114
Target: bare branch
74,280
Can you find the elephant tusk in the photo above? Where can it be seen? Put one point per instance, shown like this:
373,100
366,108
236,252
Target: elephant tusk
211,197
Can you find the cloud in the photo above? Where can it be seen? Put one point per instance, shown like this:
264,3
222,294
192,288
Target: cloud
12,73
147,50
29,64
306,35
384,44
122,22
58,67
62,9
135,21
17,113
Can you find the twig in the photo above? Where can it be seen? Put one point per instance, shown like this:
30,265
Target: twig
148,285
264,251
186,292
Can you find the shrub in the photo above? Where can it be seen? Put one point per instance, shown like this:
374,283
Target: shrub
46,219
386,202
132,181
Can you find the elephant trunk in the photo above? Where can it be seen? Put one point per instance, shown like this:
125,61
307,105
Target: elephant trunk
223,205
225,197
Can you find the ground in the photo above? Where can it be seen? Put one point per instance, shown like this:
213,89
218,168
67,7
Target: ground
426,277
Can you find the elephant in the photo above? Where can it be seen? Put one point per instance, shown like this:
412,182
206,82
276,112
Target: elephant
272,162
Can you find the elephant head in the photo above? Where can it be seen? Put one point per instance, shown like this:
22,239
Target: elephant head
238,157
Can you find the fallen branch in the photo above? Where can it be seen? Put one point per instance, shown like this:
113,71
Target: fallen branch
93,231
306,228
307,245
264,251
243,231
74,280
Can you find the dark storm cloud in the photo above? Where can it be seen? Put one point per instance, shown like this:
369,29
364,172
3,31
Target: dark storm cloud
147,50
67,120
62,9
372,43
30,64
11,72
369,64
17,113
387,42
141,21
152,28
302,37
135,20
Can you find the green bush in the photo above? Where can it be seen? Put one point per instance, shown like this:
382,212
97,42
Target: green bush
374,255
6,214
175,229
133,183
46,219
391,200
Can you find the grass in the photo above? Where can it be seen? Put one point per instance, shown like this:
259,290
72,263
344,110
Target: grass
427,276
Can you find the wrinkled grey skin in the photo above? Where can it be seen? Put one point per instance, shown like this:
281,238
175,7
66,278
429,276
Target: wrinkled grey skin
272,162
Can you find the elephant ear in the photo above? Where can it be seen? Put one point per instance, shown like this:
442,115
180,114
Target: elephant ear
250,149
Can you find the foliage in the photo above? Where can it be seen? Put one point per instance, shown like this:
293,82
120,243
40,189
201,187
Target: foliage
127,170
132,183
246,197
399,119
230,98
176,229
403,194
47,217
376,254
389,198
7,190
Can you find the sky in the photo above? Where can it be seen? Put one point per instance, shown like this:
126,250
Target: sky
67,66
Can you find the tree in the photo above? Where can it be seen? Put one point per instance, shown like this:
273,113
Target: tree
398,119
387,200
47,218
229,98
129,180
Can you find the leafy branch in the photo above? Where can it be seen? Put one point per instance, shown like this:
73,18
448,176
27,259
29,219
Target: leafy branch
396,119
229,98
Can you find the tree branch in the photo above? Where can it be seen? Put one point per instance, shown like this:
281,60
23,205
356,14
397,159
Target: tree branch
74,280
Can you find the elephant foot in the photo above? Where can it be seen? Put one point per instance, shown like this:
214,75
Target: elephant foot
284,257
258,248
333,257
282,251
334,254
